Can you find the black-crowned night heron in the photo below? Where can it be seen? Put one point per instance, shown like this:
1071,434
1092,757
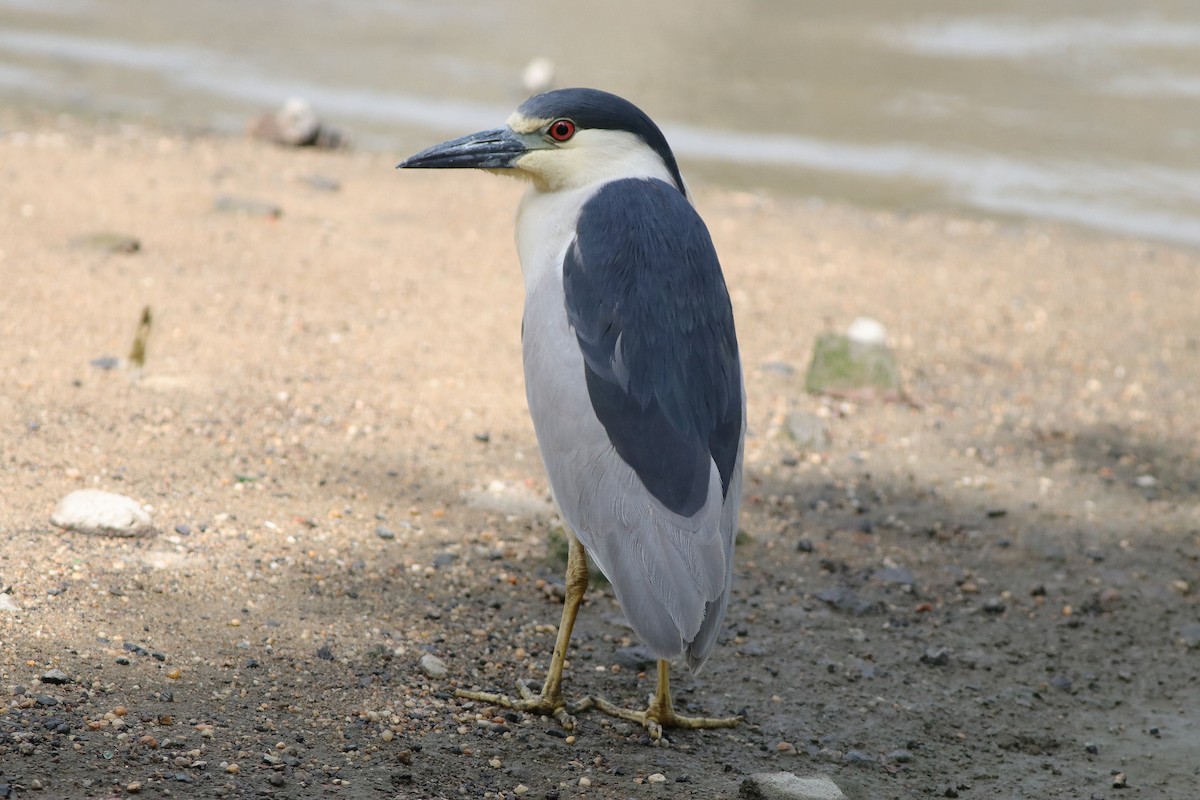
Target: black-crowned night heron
632,375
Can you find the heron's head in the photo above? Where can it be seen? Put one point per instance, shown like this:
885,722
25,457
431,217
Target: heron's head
564,139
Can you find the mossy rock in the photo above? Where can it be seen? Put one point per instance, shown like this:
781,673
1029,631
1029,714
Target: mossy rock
841,366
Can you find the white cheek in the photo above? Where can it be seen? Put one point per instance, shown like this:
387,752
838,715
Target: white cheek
594,156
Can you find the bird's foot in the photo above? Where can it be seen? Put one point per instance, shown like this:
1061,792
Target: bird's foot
529,702
656,717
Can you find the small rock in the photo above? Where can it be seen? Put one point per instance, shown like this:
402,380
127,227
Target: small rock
845,599
384,532
324,653
893,575
322,183
7,603
858,757
865,330
433,666
656,777
778,368
105,362
55,676
107,242
900,756
936,656
808,431
841,366
1189,635
1120,781
296,125
993,605
637,658
787,786
243,205
93,511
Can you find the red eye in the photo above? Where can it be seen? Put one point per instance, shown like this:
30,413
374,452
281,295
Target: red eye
561,130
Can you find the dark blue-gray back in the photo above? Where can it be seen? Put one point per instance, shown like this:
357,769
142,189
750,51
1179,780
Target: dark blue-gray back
648,303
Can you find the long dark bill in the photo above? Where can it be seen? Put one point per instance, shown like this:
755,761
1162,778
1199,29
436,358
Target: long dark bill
494,149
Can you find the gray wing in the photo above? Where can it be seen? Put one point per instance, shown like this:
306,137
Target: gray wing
646,460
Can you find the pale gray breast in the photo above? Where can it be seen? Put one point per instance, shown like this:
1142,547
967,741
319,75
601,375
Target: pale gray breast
667,571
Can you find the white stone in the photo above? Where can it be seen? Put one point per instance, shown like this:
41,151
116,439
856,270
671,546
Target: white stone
786,786
865,330
7,603
433,666
105,513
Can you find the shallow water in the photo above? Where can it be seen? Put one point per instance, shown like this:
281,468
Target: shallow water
1084,111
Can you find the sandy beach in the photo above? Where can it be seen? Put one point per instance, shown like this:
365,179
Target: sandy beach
989,589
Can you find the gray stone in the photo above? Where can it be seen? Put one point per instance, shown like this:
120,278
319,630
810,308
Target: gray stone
55,676
808,431
637,658
893,575
296,125
104,513
787,786
433,666
1189,634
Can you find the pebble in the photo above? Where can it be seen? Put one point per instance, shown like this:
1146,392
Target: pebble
845,599
893,575
865,330
107,242
433,666
808,431
55,676
787,786
936,656
384,532
994,605
322,183
93,511
637,658
243,205
585,781
296,125
656,777
7,604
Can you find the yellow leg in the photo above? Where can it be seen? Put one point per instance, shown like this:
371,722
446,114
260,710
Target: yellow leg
550,701
661,713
